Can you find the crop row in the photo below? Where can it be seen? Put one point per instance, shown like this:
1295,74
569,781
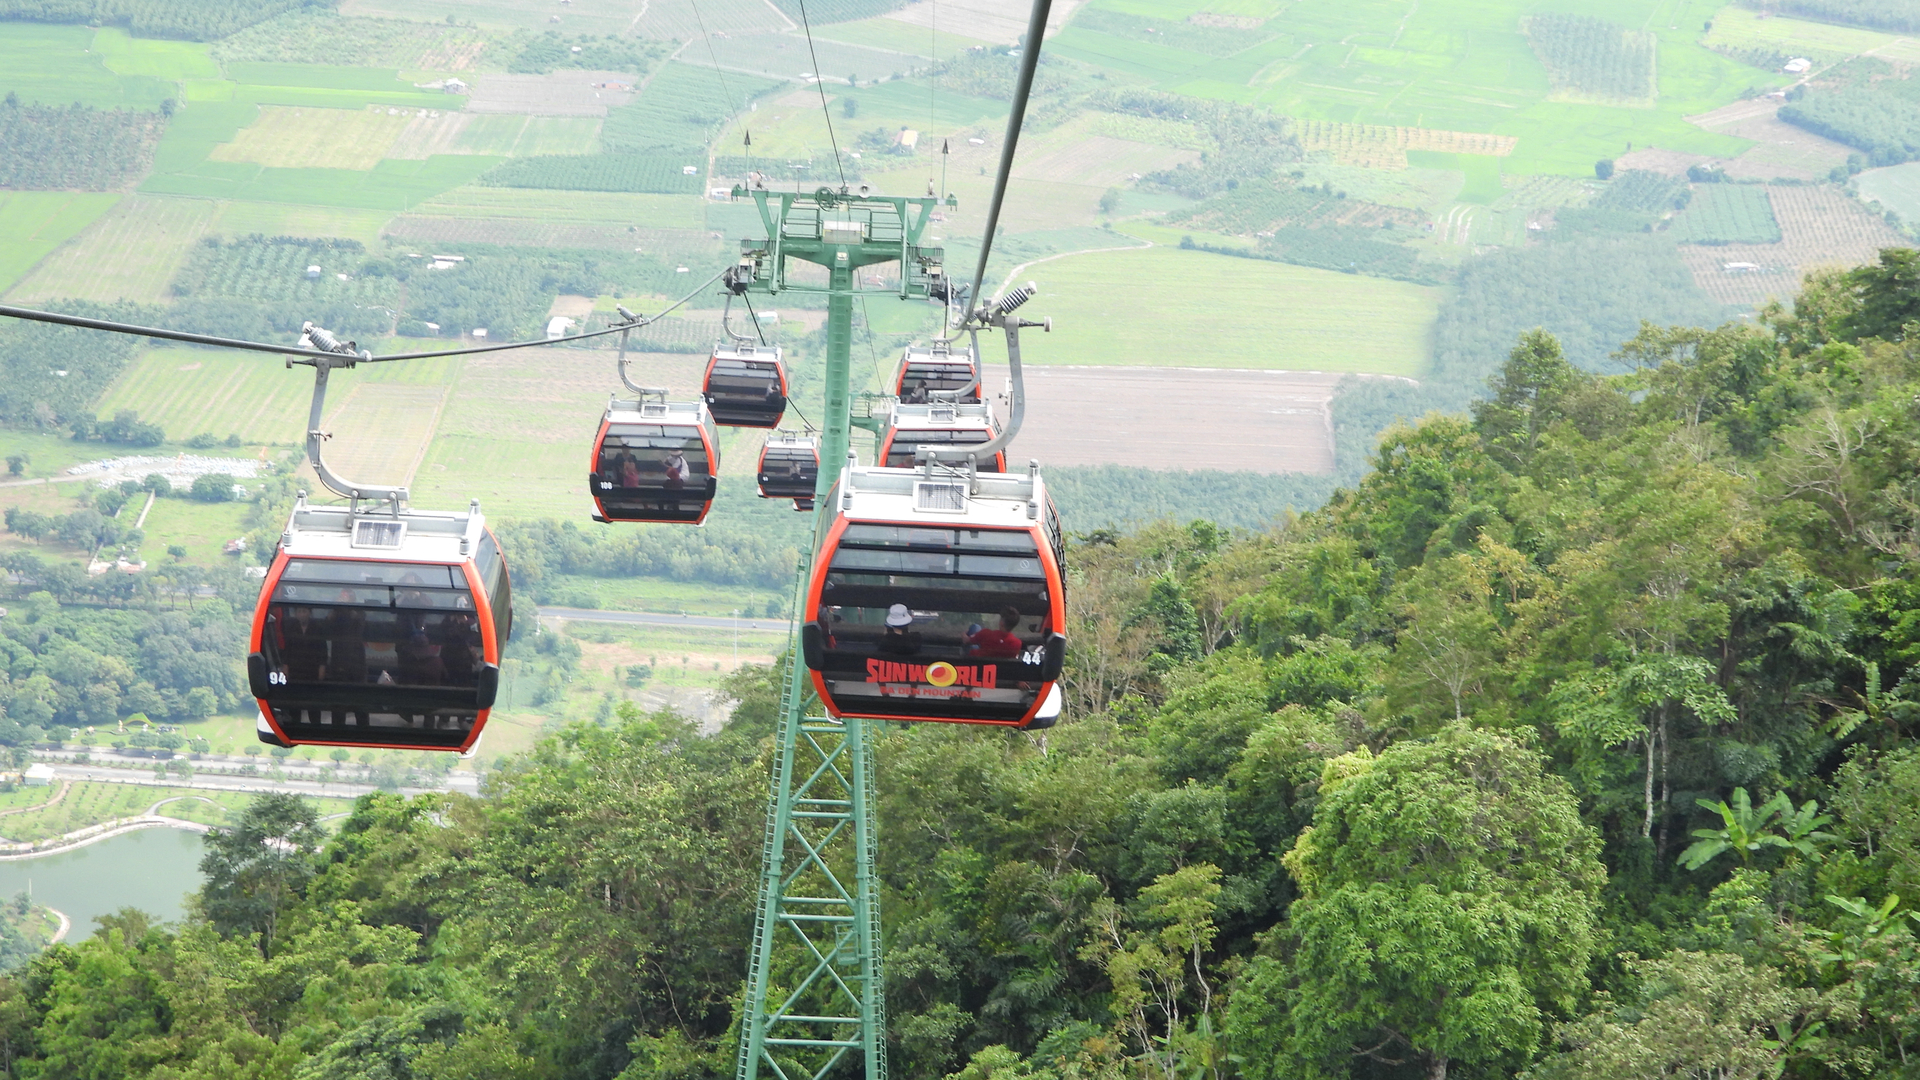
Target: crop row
1592,56
660,171
1728,214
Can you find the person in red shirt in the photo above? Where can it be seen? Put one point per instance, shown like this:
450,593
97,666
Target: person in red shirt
999,644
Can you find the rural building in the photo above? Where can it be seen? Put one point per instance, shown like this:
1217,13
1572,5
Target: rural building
39,774
557,327
907,139
455,86
313,273
1798,65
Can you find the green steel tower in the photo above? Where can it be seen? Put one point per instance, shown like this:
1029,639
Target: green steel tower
815,993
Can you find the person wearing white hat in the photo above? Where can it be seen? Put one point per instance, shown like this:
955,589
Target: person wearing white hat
899,639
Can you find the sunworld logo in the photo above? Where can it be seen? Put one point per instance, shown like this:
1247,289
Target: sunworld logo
939,673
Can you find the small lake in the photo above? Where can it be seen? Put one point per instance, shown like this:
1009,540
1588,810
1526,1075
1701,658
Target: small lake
152,869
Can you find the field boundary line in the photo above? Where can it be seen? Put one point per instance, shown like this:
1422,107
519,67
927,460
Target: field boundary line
433,425
1143,245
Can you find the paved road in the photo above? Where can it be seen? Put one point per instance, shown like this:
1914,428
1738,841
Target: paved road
207,781
648,618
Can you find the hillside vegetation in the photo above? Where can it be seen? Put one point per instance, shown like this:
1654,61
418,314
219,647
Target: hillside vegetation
1585,722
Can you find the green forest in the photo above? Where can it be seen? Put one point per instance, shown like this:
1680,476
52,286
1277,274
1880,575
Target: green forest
1576,740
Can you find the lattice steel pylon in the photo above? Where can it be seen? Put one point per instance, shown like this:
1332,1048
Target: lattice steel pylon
815,996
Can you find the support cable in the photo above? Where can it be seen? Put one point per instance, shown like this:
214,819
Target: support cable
822,87
711,55
110,326
1023,86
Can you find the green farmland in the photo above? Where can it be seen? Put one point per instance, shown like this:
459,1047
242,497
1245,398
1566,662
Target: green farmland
34,223
1357,324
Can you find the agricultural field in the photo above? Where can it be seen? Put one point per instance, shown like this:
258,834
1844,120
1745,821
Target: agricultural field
1818,227
290,137
188,390
595,207
381,429
687,20
997,23
1372,146
130,253
495,134
34,223
1591,59
277,270
888,34
786,56
1355,324
1897,188
202,528
582,16
1097,160
658,171
379,43
1249,421
57,65
516,424
1780,150
1738,28
1727,214
563,93
240,218
683,105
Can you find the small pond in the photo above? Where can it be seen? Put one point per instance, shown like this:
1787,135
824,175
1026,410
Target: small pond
152,869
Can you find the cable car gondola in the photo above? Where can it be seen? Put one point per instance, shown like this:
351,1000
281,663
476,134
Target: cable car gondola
790,468
939,596
937,372
654,460
939,427
380,628
377,624
746,385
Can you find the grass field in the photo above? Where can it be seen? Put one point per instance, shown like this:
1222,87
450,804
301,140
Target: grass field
391,185
34,223
1458,65
1896,188
170,61
900,37
593,207
187,391
1353,323
290,219
131,253
201,528
1738,28
582,16
94,802
289,137
56,65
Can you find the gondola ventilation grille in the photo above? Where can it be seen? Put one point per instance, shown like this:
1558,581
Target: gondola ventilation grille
935,496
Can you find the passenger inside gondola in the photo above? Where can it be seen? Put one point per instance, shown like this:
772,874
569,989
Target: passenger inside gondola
898,639
996,644
659,472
